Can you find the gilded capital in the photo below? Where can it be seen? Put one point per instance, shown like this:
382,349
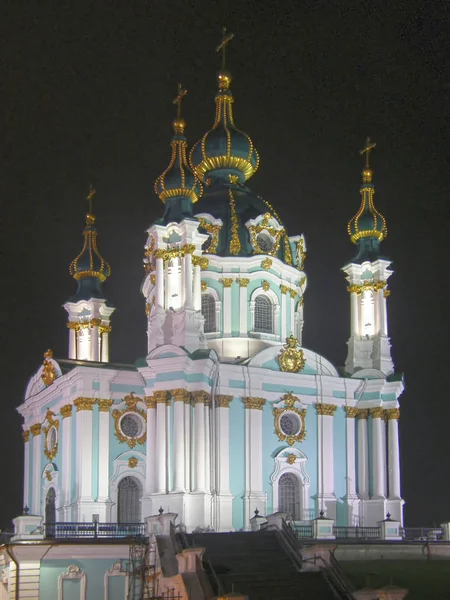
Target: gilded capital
95,322
104,404
223,400
226,281
284,289
36,429
377,412
362,413
242,281
326,410
292,293
254,403
26,435
150,401
180,395
161,396
351,412
200,397
84,403
66,411
392,413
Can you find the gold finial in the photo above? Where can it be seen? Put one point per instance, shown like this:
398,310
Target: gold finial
367,149
226,39
177,100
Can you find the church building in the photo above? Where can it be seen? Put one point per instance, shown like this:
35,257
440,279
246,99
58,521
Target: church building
228,413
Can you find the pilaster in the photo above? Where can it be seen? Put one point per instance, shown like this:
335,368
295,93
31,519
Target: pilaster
326,497
26,474
66,475
393,415
378,464
161,398
103,499
363,453
85,501
224,519
179,397
255,497
36,431
351,495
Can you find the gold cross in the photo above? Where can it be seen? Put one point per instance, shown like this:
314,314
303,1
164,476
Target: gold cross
226,39
366,150
178,99
89,197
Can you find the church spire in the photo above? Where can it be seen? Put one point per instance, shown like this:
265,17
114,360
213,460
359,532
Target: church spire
224,153
89,314
368,227
177,186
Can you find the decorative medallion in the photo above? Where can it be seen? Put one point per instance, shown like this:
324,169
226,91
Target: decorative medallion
132,462
291,358
291,459
273,233
265,285
290,421
266,264
51,435
129,423
204,285
48,374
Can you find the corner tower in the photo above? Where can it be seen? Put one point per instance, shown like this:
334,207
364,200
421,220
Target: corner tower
369,345
88,311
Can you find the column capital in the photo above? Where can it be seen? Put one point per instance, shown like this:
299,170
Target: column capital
242,281
104,404
26,435
150,401
84,403
377,412
226,281
223,400
362,413
200,397
392,413
326,410
161,396
66,411
254,403
180,395
36,429
350,411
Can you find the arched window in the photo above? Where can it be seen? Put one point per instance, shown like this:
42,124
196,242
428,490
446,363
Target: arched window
209,312
263,315
50,506
289,496
129,501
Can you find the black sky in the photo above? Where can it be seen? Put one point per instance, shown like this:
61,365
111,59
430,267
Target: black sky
86,91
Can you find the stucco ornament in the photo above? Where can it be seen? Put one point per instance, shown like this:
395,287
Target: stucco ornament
136,416
291,358
293,429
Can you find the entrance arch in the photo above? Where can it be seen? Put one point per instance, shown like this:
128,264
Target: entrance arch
129,500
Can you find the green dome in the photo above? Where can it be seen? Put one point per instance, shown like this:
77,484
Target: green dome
235,205
224,152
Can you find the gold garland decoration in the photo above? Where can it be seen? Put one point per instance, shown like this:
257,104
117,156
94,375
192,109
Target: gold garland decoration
290,408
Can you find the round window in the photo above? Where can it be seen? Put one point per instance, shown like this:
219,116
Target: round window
290,424
131,425
51,439
264,242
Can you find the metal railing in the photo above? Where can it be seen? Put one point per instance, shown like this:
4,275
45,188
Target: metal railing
302,531
422,534
95,530
357,533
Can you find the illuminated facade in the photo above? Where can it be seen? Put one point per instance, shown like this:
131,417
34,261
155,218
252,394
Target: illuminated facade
228,412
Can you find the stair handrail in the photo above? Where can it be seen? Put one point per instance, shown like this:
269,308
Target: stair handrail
334,573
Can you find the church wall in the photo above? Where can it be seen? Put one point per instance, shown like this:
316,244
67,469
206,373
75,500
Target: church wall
340,464
237,460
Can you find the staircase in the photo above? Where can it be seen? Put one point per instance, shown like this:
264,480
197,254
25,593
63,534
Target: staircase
259,565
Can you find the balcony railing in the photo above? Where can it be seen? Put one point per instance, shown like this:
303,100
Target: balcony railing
95,530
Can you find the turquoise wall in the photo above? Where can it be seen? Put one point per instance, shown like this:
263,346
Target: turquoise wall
95,573
237,460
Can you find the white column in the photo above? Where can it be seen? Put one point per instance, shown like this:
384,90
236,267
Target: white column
351,450
72,343
208,444
283,314
292,313
393,414
254,493
150,464
26,469
325,414
199,433
105,346
103,449
223,443
35,507
363,454
378,466
66,453
188,280
160,454
84,450
159,283
243,306
178,439
227,282
354,317
197,288
382,312
95,342
187,443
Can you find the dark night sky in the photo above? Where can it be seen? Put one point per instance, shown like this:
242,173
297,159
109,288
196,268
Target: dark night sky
86,91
